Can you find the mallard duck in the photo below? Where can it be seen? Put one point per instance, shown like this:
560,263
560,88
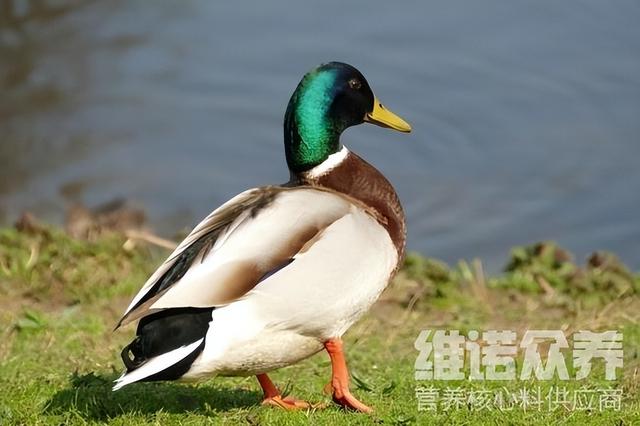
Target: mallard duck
278,273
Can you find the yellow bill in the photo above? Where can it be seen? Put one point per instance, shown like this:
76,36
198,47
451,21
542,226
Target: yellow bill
385,118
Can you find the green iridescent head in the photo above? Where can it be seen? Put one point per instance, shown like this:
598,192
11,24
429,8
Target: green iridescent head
328,100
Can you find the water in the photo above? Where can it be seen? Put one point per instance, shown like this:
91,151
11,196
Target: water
526,115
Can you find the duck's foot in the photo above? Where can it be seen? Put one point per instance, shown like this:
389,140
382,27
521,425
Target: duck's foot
273,397
340,378
288,403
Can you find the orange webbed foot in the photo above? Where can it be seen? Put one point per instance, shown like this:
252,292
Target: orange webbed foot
340,378
348,401
287,403
273,397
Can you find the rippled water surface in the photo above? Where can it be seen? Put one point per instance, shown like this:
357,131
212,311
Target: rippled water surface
526,115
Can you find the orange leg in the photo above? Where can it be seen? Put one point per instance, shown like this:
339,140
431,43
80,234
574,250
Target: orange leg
340,378
273,397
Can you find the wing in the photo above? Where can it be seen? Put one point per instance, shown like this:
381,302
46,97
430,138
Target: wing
237,246
331,282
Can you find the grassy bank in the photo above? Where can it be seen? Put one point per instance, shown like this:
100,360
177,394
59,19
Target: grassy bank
60,298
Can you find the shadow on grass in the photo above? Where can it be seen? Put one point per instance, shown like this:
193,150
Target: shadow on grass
91,396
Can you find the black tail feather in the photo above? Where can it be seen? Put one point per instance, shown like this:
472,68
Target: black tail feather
163,332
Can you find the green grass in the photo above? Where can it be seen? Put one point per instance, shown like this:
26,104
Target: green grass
60,298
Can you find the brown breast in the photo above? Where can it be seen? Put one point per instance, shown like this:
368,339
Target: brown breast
360,180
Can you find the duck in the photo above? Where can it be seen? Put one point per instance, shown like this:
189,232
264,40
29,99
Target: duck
279,272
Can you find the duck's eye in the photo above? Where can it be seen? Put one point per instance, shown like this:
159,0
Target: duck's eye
355,84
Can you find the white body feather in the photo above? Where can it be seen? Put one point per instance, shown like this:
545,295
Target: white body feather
287,316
